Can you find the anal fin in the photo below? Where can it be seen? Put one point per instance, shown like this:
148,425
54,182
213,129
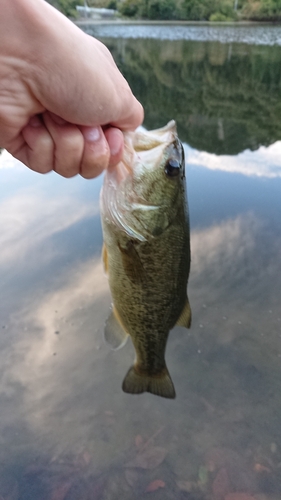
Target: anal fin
114,333
185,316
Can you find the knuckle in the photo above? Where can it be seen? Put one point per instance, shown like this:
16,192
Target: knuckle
73,143
66,173
92,170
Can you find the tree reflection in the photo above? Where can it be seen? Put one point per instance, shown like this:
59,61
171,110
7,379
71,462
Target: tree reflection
224,97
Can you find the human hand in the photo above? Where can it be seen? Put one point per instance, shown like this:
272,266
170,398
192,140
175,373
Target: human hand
63,102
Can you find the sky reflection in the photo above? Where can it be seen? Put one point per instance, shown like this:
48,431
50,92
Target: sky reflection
264,162
60,384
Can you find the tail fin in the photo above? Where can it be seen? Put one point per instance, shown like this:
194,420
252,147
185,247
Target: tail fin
161,385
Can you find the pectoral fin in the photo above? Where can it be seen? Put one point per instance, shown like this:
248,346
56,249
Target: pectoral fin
185,317
114,332
131,263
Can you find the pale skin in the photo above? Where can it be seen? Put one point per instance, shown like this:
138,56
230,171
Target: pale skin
63,101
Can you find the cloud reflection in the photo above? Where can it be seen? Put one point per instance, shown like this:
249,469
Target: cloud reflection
8,161
264,162
59,378
27,219
66,378
234,280
221,246
60,314
60,354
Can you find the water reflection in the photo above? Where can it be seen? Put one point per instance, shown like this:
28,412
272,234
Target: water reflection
224,97
68,432
265,162
67,426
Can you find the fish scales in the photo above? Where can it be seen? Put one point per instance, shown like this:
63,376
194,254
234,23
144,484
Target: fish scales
159,289
147,254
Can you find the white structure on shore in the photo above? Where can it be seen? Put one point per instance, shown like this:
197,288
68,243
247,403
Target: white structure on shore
95,13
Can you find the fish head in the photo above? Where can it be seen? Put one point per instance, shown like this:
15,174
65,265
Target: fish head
143,193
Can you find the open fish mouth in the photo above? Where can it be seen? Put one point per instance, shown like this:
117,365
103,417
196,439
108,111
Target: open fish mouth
126,197
142,147
119,172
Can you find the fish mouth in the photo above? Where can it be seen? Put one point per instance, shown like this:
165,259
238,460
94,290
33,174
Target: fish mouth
143,152
143,146
119,172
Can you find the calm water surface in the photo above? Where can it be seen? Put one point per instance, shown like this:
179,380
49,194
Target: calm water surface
68,432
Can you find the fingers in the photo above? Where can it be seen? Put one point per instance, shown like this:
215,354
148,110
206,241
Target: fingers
115,140
51,143
96,154
68,145
101,149
37,147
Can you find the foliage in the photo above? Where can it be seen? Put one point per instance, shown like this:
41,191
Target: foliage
112,4
198,10
193,10
225,12
262,10
161,9
218,16
129,8
105,4
67,7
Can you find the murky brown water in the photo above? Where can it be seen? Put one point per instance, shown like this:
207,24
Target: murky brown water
68,432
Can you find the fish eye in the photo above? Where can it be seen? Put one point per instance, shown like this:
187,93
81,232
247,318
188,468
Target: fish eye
172,168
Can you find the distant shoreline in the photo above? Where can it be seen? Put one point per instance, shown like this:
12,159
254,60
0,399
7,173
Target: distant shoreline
95,22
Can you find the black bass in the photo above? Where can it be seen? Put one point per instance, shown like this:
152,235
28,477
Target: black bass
146,253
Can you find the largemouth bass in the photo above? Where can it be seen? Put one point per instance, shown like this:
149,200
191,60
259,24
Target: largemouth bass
146,253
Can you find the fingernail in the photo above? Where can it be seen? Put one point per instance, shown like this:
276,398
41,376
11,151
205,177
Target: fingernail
114,148
35,121
92,134
115,141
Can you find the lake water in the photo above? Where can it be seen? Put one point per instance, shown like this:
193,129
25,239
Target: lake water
68,432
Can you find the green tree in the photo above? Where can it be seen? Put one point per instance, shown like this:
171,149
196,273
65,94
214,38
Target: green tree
265,10
67,7
224,102
225,11
130,8
199,9
271,9
162,9
112,4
